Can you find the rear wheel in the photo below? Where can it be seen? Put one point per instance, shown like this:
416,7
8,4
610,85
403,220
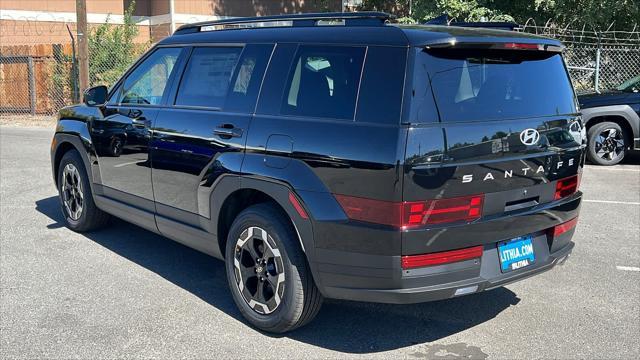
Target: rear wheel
606,143
268,274
79,210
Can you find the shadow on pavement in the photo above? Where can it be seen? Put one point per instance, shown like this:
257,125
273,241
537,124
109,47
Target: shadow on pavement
632,158
344,326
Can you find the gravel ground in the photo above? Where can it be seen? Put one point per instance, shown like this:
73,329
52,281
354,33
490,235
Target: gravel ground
127,293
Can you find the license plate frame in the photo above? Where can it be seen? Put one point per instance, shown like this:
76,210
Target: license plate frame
516,254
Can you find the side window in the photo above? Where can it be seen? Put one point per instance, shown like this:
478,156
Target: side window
245,84
207,77
381,91
323,82
146,84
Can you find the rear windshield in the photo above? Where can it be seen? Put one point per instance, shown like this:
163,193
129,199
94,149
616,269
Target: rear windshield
477,85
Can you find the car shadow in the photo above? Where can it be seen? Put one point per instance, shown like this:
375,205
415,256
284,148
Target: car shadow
350,327
632,158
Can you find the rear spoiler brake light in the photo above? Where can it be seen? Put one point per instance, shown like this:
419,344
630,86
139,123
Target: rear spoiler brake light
518,46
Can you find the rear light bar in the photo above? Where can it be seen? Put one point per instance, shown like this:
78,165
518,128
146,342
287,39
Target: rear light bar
564,227
439,258
566,187
522,46
496,46
406,215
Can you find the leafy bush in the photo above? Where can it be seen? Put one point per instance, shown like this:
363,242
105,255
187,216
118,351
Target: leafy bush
112,49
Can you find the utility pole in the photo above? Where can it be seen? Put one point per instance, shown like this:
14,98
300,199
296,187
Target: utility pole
83,44
172,20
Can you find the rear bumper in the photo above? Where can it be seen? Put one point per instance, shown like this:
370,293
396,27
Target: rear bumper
378,277
448,289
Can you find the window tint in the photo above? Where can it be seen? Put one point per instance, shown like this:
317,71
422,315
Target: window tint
381,90
146,84
247,79
323,82
206,79
488,85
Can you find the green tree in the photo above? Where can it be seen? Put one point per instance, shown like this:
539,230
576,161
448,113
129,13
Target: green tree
112,49
593,14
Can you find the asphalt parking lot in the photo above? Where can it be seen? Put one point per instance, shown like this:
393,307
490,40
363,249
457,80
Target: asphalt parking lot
125,292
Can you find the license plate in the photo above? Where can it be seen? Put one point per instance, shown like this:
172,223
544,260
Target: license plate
516,253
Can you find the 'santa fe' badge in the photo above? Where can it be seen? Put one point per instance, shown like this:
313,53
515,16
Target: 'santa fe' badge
530,136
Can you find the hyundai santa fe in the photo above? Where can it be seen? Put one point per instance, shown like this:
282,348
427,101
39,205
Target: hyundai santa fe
336,156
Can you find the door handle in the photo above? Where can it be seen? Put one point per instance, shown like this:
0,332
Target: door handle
227,131
140,122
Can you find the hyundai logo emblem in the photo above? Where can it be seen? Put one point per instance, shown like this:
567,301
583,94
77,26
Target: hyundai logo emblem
529,136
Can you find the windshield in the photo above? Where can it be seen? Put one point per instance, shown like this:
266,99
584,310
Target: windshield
477,85
631,85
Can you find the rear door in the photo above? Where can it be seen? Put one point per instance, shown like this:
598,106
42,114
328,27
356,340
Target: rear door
201,134
492,131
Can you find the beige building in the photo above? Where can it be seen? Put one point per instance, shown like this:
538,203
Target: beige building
26,22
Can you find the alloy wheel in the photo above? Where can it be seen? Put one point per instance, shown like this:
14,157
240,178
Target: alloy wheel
259,270
72,194
609,144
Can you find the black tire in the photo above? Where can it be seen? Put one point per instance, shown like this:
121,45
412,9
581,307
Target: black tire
115,146
300,299
87,216
606,144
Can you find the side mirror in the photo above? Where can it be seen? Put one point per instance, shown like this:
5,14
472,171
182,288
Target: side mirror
96,96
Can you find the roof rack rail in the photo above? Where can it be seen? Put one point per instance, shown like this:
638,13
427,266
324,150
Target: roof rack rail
444,20
361,18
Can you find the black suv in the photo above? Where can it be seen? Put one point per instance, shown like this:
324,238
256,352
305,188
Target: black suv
336,155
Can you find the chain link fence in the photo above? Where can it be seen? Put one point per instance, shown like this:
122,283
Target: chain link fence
597,60
39,68
37,79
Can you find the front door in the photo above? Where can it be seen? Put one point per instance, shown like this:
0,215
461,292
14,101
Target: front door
122,136
201,134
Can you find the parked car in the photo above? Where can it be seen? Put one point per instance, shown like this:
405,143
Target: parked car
337,156
612,119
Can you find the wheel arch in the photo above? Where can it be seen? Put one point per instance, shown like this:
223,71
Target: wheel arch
233,194
74,135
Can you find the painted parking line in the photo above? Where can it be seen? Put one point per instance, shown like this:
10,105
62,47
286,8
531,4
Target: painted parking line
628,268
612,202
610,169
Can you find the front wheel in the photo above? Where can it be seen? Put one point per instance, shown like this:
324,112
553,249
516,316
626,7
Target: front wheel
268,274
79,210
606,144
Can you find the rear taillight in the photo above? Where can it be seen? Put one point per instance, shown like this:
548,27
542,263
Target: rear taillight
439,258
466,208
566,187
369,210
564,227
414,213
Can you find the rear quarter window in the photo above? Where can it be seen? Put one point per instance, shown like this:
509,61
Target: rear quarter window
478,85
382,85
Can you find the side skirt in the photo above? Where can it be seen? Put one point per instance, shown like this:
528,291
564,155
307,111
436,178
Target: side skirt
185,234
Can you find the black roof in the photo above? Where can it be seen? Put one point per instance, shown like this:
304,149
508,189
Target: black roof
364,28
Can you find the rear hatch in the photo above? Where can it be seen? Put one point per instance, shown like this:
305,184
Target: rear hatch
494,139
